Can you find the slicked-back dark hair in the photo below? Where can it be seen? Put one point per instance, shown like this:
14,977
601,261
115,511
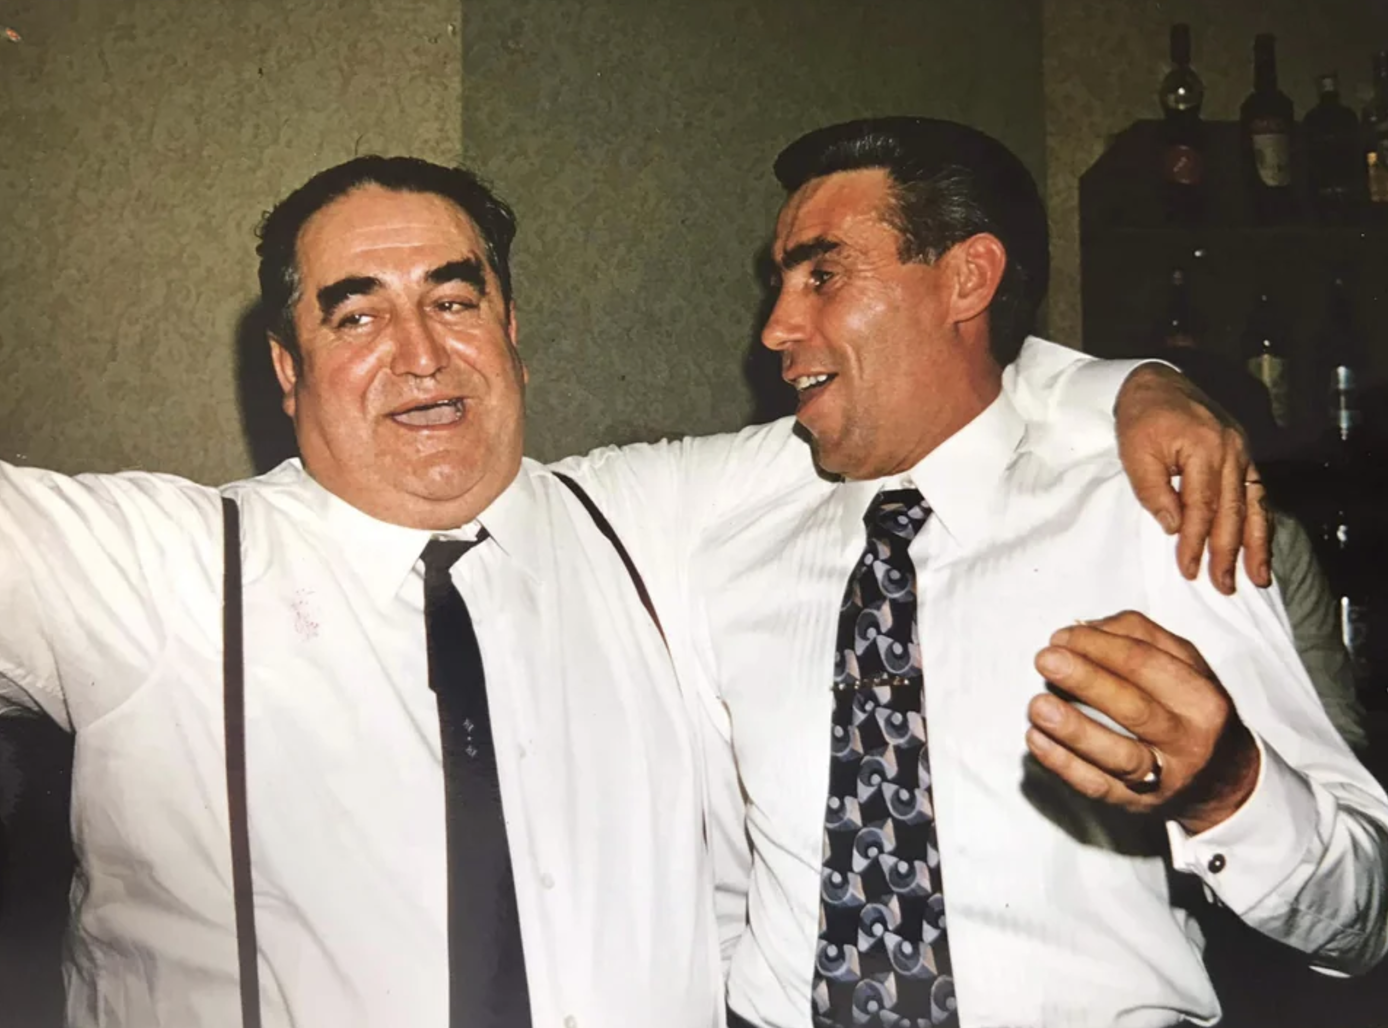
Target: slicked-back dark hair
950,182
279,230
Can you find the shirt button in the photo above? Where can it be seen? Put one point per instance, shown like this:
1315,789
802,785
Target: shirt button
547,880
1216,863
571,1022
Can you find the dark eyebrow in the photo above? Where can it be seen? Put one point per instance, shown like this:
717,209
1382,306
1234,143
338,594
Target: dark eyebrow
807,251
468,270
332,295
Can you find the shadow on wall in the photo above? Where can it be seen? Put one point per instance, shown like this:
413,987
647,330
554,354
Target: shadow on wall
268,430
771,397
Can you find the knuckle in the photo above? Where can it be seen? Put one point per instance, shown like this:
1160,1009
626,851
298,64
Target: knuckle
1092,786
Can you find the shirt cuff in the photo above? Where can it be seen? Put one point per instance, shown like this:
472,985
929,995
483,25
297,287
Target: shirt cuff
1246,857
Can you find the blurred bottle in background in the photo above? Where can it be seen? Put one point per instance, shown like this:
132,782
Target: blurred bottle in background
1334,159
1267,121
1375,135
1265,356
1181,95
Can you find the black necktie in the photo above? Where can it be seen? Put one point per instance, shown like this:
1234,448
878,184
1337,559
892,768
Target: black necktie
486,966
883,955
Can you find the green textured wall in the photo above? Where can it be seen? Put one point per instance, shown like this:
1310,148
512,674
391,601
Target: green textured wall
635,138
140,140
1104,61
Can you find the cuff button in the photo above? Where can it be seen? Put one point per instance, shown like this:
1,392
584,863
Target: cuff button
1216,863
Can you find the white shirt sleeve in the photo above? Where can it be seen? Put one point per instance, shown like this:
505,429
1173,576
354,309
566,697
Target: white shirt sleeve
1305,859
1067,397
87,571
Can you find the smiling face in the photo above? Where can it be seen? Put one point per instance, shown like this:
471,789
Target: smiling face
408,400
884,365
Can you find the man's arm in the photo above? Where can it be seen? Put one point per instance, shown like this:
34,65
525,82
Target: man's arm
1165,427
1262,799
1315,621
89,571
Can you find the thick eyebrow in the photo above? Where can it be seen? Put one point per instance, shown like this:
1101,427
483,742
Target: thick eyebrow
468,270
332,295
807,251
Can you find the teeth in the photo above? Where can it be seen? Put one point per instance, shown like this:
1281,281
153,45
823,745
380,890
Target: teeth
807,381
446,413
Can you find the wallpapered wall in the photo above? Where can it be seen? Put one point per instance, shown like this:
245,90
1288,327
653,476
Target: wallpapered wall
140,142
636,140
1103,61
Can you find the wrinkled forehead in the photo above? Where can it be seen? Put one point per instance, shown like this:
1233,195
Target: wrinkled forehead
834,205
373,229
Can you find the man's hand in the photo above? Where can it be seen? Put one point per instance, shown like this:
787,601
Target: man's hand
1166,426
1190,757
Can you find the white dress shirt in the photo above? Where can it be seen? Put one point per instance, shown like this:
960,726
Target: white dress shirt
1060,912
110,623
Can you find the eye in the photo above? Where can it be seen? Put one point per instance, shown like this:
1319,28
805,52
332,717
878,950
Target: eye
819,277
357,319
455,305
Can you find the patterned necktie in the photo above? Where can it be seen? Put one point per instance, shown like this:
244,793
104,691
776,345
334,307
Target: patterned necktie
486,966
883,958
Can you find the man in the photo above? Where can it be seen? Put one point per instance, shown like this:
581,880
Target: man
938,838
379,882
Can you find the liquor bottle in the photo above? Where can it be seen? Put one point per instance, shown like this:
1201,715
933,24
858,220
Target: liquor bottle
1183,144
1178,328
1375,124
1341,356
1266,358
1266,120
1345,488
1334,160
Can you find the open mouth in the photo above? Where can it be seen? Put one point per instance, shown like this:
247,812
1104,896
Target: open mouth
431,415
809,386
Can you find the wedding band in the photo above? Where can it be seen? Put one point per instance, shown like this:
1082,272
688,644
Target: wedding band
1151,781
1253,481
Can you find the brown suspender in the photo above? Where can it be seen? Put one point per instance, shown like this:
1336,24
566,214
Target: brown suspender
234,718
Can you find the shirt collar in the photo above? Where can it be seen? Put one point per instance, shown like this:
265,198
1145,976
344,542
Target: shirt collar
384,555
961,479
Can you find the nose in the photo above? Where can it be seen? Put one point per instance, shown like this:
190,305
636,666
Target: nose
418,349
785,325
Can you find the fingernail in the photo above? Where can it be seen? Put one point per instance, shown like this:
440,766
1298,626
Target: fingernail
1192,568
1061,636
1053,662
1169,521
1228,580
1045,713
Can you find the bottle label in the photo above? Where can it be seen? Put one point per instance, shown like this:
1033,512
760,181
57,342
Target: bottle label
1183,165
1272,154
1272,372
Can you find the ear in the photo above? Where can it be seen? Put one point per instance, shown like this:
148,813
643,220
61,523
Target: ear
513,337
286,371
979,263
